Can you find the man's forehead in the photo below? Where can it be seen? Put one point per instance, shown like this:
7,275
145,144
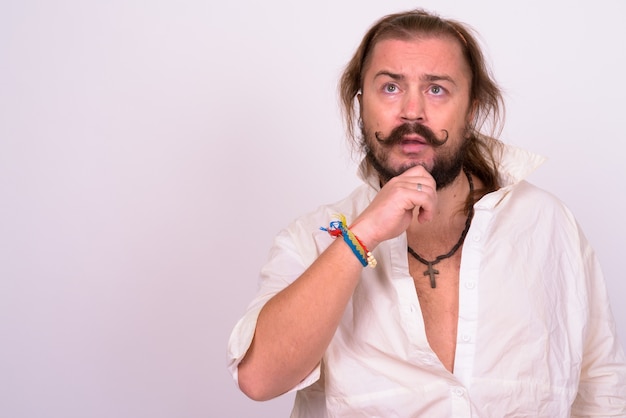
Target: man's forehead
438,56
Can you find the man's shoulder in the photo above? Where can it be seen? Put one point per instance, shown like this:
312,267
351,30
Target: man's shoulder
525,199
527,190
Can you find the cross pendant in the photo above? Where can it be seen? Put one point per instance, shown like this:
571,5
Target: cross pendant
431,272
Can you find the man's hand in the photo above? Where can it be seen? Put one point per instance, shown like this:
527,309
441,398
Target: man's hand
392,210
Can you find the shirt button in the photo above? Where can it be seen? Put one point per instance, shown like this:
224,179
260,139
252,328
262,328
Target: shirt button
466,338
476,237
428,361
458,392
470,285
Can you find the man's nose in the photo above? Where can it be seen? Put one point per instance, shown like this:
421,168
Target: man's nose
413,109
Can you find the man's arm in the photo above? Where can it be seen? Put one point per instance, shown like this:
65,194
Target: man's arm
295,327
602,386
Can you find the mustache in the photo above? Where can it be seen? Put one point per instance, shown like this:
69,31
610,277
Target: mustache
398,133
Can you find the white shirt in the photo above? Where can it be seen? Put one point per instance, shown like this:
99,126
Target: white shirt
536,336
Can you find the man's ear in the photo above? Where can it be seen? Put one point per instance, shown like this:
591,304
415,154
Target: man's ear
471,114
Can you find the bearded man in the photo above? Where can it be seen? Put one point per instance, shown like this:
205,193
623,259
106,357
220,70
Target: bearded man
444,285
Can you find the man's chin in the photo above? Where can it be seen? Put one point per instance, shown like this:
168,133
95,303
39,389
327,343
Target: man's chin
412,164
389,169
386,173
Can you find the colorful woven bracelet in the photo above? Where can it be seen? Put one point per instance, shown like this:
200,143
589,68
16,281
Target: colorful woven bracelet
339,227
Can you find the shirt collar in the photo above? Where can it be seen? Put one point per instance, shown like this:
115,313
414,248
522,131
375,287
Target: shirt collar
516,164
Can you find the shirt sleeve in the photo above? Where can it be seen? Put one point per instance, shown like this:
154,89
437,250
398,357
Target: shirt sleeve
602,384
286,262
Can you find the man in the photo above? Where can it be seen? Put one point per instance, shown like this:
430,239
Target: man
512,321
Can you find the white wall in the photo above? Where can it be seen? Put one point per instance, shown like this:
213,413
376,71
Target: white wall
149,151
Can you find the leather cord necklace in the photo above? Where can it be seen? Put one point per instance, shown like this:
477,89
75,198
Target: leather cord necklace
430,271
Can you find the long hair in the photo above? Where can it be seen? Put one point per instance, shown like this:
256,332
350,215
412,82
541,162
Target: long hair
486,99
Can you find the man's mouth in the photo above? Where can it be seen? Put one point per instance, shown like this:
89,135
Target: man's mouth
412,145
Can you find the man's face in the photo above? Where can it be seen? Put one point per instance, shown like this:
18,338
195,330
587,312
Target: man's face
416,87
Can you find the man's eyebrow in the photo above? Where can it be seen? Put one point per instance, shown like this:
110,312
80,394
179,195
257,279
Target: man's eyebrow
436,77
393,76
425,77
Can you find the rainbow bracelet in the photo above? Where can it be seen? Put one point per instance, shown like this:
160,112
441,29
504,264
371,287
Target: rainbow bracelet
339,227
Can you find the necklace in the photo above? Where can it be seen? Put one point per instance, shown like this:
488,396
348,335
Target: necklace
430,271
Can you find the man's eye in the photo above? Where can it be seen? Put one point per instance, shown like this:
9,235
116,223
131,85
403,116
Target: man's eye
390,88
436,90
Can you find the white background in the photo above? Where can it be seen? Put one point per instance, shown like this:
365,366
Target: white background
150,150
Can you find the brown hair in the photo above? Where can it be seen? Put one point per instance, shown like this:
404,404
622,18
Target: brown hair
485,96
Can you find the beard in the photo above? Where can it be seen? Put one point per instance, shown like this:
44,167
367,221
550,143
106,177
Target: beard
445,168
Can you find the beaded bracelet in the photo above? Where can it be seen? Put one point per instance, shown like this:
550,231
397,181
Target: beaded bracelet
337,228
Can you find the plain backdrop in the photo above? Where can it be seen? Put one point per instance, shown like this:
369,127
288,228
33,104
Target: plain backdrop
150,150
